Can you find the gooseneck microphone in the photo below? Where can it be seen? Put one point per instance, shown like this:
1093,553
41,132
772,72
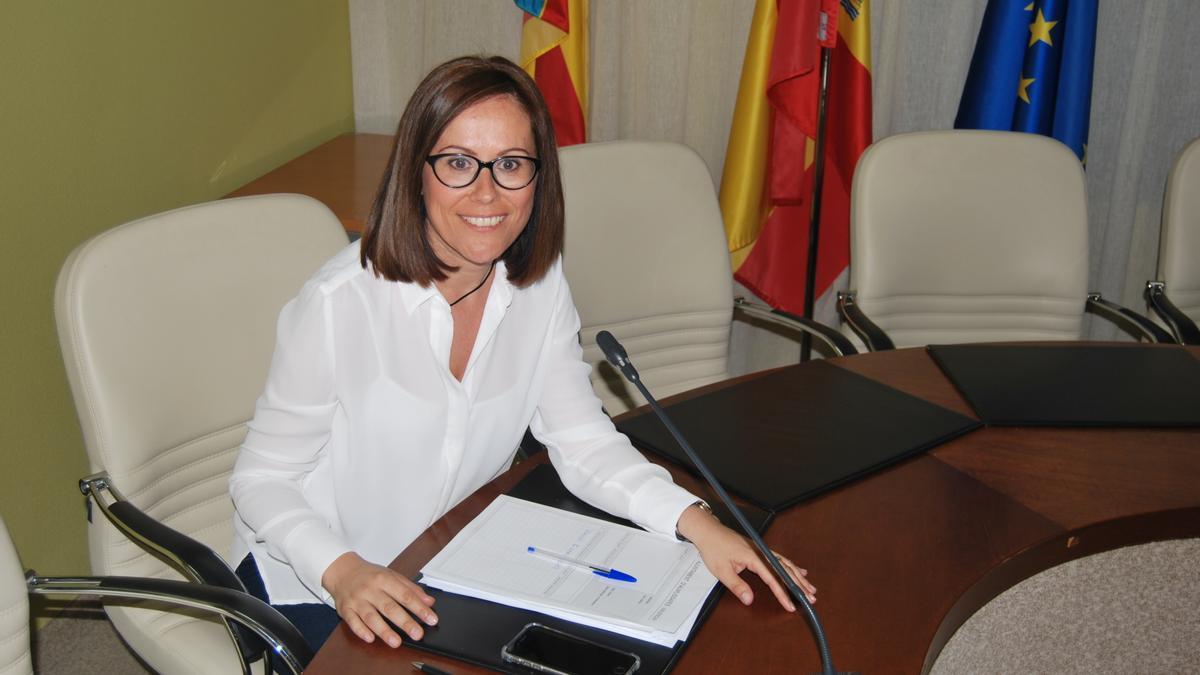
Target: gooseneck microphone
619,358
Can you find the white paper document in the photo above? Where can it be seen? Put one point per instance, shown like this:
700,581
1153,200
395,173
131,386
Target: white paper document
489,559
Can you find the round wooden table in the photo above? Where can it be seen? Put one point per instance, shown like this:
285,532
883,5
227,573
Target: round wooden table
905,556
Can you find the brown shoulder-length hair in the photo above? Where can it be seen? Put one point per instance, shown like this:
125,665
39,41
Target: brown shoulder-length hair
395,240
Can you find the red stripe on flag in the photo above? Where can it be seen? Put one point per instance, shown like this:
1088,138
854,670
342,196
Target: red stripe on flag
792,88
774,270
555,13
554,80
848,121
795,55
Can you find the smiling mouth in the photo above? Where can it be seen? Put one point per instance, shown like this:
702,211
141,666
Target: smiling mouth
483,221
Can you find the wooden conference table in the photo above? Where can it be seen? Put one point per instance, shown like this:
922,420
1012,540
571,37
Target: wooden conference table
344,173
903,557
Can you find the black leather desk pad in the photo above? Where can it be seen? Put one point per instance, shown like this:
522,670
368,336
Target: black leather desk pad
474,630
1075,385
795,433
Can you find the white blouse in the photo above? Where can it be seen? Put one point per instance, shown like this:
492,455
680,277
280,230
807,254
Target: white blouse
363,438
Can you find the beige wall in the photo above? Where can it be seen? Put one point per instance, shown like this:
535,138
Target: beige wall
110,111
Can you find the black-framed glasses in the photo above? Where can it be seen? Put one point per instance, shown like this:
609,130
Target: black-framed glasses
511,172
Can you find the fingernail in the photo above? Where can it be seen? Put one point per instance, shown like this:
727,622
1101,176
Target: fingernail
791,607
393,642
415,634
431,619
745,598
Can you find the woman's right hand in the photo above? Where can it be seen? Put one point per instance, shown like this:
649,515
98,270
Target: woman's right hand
366,593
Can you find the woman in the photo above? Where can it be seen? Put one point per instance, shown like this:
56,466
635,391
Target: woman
409,366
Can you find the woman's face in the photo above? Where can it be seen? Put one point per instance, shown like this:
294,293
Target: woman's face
472,226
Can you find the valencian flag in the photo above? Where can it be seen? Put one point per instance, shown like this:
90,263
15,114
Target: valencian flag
1032,70
554,49
767,183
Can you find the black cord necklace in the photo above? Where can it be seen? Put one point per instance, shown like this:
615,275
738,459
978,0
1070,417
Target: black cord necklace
481,283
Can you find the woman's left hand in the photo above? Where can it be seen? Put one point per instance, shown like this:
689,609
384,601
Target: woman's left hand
727,554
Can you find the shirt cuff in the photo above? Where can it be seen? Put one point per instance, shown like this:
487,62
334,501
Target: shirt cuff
311,548
658,504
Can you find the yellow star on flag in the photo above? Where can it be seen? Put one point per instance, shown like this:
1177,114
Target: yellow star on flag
1023,88
1039,30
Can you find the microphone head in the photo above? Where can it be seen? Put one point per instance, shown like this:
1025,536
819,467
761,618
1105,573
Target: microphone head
613,351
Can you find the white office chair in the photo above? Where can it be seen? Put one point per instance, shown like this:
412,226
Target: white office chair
167,325
14,611
256,616
971,236
646,259
1179,251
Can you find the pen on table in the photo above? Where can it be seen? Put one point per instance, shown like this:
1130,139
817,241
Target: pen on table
426,668
606,572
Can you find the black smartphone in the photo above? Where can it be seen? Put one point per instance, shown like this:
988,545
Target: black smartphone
547,650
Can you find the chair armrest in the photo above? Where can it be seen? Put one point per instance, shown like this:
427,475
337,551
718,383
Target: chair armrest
1181,326
872,335
1128,320
195,560
192,558
242,608
835,341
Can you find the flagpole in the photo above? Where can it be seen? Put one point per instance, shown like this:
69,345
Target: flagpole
814,221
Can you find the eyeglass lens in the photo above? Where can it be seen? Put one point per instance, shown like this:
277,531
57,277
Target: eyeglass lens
458,171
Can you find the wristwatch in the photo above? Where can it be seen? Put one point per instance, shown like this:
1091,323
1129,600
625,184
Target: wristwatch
703,507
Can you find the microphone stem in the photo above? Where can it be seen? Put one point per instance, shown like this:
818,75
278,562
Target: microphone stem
793,588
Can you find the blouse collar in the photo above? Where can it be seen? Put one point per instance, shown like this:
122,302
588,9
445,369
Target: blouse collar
414,295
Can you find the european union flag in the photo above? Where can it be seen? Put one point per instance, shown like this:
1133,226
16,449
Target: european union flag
1032,70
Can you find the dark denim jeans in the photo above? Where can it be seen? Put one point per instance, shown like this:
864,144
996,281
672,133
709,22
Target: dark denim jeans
315,621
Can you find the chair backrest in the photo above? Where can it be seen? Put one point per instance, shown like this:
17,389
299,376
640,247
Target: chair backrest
167,325
1179,247
14,610
646,259
970,236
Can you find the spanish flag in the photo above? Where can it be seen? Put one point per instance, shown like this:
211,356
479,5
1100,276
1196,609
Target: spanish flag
767,183
554,51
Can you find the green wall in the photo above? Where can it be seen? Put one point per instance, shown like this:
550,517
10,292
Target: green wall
110,111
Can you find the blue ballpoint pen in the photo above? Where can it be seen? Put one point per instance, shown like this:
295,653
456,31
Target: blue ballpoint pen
606,572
